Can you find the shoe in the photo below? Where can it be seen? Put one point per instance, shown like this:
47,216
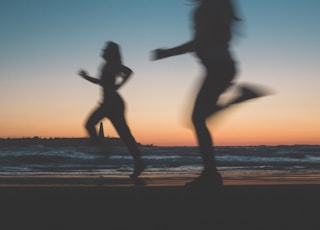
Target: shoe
138,169
250,92
206,181
138,181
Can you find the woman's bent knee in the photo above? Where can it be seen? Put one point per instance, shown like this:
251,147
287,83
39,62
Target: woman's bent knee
198,120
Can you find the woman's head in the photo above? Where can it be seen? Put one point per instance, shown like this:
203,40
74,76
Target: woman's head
112,53
225,6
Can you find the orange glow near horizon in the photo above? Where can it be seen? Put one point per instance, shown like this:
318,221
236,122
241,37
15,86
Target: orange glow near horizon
244,125
229,135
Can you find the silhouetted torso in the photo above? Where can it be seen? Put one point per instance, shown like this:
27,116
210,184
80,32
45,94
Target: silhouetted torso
108,80
212,32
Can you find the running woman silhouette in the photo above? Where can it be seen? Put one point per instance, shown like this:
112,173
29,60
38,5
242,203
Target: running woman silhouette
113,106
213,21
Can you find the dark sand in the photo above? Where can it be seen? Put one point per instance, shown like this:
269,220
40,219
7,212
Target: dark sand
87,202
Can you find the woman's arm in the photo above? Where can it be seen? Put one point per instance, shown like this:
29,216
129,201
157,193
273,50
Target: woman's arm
164,53
124,73
84,74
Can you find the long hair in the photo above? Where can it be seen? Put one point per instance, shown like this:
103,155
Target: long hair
113,52
227,6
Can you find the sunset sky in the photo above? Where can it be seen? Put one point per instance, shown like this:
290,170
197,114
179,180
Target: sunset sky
44,43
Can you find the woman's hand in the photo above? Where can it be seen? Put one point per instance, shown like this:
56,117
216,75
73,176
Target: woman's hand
159,54
83,73
182,49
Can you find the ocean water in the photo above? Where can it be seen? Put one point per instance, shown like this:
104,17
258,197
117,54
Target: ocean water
237,161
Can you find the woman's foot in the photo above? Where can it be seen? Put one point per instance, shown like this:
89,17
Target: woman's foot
206,181
139,167
250,92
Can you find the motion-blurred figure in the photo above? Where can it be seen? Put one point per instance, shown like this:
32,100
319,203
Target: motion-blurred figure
213,21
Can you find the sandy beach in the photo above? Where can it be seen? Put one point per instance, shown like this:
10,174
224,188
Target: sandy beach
83,202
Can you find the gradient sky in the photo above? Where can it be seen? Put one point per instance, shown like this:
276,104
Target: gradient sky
44,43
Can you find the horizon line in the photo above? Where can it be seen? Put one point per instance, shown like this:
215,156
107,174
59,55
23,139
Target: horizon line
113,137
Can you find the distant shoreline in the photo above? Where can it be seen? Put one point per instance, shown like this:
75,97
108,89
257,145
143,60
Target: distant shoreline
57,142
84,141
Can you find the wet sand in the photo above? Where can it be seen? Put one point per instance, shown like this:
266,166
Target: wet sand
92,202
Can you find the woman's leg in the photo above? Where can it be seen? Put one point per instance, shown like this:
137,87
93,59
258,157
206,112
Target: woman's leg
218,79
119,122
125,134
94,118
202,109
